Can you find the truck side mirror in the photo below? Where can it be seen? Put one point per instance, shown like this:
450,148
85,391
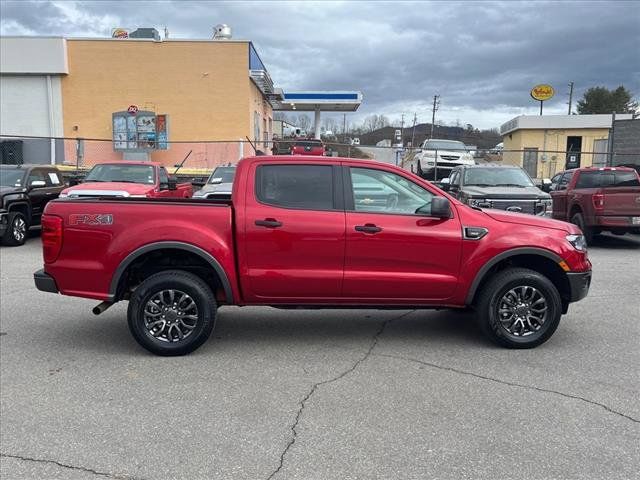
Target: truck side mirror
172,183
38,184
440,207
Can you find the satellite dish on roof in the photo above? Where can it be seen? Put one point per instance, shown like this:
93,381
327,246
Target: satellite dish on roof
222,31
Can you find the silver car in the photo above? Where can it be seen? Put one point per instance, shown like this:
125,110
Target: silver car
219,184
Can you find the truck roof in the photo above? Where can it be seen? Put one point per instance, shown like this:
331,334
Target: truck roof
130,162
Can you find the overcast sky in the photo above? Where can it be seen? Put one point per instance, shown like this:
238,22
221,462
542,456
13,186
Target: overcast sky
481,57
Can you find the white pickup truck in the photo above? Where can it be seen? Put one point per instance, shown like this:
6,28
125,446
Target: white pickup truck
437,158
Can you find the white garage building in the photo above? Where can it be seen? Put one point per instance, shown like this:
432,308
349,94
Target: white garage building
31,98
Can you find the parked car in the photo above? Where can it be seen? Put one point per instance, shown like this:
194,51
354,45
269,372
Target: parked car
437,158
310,231
307,146
129,179
24,192
496,186
219,184
498,149
598,200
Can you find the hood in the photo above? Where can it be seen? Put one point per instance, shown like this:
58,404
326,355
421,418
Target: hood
5,190
526,193
531,220
130,188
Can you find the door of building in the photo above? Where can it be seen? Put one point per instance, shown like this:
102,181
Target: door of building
530,161
574,146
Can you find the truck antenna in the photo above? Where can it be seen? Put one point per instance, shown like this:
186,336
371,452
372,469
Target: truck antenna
179,166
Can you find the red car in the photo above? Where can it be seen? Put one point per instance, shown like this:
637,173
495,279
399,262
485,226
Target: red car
309,146
129,179
312,232
598,199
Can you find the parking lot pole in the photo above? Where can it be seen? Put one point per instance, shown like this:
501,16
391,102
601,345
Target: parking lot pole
435,170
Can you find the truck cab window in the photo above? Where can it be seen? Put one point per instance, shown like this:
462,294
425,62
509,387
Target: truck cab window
308,187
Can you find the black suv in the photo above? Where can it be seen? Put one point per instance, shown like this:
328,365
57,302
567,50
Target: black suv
24,192
502,187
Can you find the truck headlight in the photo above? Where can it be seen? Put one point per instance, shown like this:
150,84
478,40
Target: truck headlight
578,242
479,202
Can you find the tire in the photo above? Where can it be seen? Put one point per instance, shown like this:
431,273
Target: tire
491,303
179,329
17,229
588,233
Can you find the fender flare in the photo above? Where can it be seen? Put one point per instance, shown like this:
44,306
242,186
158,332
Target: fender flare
21,200
482,273
206,256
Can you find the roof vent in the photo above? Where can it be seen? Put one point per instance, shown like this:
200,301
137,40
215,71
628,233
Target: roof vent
222,31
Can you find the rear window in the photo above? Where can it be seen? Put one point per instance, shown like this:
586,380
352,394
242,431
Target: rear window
607,179
307,187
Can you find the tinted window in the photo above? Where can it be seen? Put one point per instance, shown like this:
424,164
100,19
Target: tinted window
36,175
223,175
164,177
505,177
381,191
296,186
626,179
594,179
566,178
53,178
12,177
112,172
309,143
443,145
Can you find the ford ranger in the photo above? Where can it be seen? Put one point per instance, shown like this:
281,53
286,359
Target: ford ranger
599,199
129,179
313,232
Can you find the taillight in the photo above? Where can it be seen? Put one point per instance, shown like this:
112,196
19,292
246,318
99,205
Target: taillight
598,201
51,237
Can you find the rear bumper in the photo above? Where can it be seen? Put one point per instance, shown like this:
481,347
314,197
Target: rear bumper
579,284
45,282
616,221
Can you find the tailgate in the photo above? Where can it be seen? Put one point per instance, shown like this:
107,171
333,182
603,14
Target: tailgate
621,201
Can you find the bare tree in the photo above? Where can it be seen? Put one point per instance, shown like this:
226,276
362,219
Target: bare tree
304,122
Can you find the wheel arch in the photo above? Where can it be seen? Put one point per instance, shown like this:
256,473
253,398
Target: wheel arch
540,260
118,280
22,207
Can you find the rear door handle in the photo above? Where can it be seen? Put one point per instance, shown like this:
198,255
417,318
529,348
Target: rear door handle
368,228
269,223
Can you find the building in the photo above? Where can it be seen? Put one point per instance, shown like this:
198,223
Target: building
149,98
546,144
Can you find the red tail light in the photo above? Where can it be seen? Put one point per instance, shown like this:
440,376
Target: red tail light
598,201
51,237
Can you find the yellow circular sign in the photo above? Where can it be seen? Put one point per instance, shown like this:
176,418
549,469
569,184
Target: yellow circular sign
542,92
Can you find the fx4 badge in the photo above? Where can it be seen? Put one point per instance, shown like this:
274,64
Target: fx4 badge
91,219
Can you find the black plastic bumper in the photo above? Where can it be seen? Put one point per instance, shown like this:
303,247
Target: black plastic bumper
4,222
579,285
45,282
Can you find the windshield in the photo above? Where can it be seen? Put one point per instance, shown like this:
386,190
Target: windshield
111,172
12,178
223,175
444,145
309,143
496,177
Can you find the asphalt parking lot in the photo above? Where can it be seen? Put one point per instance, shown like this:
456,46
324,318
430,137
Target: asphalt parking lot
341,394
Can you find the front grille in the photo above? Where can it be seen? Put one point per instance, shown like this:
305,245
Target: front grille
525,206
450,158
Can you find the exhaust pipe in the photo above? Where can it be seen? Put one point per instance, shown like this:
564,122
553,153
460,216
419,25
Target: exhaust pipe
101,307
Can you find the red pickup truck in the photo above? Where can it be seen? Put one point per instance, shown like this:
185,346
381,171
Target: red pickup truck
307,146
598,199
129,179
312,232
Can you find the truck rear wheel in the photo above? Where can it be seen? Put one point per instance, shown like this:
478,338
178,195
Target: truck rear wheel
172,313
519,308
578,220
17,229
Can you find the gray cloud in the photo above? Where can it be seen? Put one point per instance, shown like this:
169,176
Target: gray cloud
481,57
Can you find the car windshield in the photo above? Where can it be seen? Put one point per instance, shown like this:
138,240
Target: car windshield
223,175
111,172
12,178
444,145
309,143
497,177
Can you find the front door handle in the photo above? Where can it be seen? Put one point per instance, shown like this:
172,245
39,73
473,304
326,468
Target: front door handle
269,223
368,228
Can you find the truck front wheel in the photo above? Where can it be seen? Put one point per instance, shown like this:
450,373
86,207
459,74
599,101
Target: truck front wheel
17,229
519,308
172,313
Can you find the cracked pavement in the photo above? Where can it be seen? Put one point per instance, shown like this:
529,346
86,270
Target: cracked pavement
345,394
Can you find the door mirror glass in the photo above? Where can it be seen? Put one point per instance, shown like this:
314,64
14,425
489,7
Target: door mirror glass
172,183
38,184
440,207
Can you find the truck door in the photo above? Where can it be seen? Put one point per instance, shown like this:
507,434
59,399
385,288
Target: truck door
392,252
559,196
293,238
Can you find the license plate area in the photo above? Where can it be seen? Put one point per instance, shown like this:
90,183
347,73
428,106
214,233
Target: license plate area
635,220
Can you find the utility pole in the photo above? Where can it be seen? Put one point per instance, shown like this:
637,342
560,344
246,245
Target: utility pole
402,129
570,96
436,105
344,128
413,133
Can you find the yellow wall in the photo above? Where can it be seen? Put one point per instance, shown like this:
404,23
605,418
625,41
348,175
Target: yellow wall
257,103
202,86
556,141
